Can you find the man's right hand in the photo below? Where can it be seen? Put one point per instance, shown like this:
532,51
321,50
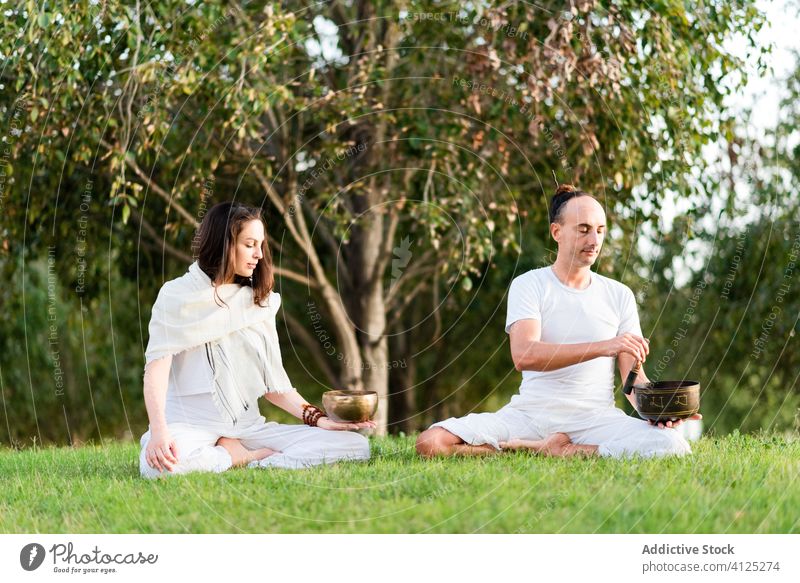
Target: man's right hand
632,344
162,451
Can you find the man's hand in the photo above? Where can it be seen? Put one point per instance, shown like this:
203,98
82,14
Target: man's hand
674,424
330,424
628,343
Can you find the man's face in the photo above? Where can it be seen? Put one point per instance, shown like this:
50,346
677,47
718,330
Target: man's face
580,235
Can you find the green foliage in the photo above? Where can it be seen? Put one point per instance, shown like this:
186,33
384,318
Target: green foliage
131,119
70,365
733,326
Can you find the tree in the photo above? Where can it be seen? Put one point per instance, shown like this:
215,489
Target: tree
398,147
734,324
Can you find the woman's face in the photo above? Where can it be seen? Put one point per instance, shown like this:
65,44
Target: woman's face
248,248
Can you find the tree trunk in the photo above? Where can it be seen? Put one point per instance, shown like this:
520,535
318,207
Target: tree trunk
375,351
374,344
402,394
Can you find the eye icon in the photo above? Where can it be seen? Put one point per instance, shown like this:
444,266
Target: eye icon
31,556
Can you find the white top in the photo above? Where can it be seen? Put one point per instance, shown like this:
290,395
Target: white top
191,382
191,372
190,388
200,410
192,409
601,311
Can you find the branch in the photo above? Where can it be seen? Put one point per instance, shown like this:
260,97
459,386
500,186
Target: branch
340,18
328,237
386,250
150,230
391,301
419,268
160,241
280,204
407,299
297,227
294,276
272,194
312,345
131,162
437,314
332,299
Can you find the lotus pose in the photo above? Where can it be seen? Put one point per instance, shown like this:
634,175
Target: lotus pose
567,325
213,351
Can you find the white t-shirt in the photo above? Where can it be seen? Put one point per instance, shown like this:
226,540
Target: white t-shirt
192,372
603,310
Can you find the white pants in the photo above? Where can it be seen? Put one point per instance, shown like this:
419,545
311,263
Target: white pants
297,446
615,433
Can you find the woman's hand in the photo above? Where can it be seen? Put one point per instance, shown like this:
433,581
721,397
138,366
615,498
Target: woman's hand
331,425
674,424
292,402
162,451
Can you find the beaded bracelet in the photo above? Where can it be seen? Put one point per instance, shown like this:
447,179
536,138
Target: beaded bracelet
312,414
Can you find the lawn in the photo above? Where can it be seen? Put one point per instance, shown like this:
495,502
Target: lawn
732,484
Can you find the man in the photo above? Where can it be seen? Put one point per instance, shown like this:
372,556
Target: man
567,325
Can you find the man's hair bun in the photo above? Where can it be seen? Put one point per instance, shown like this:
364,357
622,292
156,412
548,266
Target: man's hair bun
564,193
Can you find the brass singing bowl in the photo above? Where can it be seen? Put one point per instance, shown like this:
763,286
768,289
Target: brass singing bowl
667,400
350,406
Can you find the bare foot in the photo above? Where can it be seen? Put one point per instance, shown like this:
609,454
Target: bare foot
240,455
556,445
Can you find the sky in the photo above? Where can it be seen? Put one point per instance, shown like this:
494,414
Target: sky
783,30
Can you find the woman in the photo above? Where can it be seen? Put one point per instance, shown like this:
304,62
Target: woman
213,350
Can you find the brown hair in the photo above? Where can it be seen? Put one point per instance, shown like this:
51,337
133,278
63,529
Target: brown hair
564,193
215,244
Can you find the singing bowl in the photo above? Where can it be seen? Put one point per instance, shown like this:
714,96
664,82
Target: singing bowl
353,406
667,400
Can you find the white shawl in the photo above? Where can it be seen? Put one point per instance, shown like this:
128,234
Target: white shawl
241,338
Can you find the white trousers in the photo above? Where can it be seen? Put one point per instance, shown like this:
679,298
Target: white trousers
615,433
297,446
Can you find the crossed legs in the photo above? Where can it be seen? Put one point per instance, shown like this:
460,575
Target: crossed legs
491,433
438,441
606,432
240,455
203,449
555,445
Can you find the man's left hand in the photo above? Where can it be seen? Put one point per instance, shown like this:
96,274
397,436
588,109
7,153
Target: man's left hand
673,424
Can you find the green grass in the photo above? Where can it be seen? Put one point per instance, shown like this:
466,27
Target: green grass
733,484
